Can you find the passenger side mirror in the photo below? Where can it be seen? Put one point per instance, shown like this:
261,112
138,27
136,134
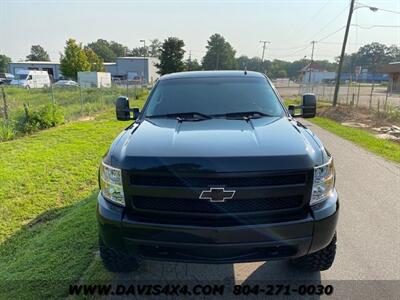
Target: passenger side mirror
309,106
123,111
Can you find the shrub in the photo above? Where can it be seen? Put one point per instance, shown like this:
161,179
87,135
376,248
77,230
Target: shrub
394,113
7,131
47,116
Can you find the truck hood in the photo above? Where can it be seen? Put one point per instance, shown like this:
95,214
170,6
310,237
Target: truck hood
216,144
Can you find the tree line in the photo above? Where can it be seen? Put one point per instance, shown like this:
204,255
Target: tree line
220,55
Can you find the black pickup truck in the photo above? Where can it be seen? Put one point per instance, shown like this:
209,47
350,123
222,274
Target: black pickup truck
215,169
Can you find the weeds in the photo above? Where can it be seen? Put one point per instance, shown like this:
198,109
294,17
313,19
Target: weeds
47,116
7,131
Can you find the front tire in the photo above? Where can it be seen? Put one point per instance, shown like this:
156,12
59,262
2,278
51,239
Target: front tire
318,261
116,261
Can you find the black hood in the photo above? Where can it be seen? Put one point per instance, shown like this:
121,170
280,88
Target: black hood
218,145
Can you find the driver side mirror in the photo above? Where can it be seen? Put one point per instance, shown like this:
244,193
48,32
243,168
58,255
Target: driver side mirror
123,111
308,107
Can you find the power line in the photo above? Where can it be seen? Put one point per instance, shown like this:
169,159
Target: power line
291,48
375,26
295,52
310,19
378,8
330,22
329,35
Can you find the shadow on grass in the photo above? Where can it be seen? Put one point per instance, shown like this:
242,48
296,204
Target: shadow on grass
50,252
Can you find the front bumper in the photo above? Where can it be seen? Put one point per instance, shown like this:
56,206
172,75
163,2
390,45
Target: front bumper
218,244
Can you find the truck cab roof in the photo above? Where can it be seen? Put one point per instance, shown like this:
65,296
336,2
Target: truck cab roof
211,74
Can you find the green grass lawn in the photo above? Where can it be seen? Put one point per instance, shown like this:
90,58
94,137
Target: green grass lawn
48,231
72,100
387,149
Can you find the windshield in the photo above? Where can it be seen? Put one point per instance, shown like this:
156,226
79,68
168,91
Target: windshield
21,76
213,96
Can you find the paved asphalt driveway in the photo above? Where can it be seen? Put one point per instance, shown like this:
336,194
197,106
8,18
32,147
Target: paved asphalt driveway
368,234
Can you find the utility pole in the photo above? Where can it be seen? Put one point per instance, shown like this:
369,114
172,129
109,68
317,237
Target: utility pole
190,61
144,59
346,34
263,52
311,62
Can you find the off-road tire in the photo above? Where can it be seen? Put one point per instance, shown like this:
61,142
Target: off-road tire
318,261
116,261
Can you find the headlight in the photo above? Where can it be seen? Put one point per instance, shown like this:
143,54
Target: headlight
111,184
324,182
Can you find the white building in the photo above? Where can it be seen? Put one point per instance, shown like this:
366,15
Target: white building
313,73
53,68
318,76
139,69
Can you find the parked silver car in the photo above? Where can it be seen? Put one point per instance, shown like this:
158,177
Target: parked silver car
66,83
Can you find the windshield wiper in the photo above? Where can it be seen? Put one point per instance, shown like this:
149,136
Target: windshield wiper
244,115
186,116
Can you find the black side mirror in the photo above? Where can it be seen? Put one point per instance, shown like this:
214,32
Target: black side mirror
309,106
291,109
136,113
122,109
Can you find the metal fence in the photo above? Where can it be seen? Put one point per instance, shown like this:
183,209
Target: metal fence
74,101
372,96
24,111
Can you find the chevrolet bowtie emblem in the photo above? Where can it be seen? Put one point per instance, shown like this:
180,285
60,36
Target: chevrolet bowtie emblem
217,194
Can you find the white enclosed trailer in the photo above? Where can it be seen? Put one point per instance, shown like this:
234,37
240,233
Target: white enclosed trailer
94,79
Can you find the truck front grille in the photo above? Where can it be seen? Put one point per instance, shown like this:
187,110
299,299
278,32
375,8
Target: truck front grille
215,180
229,206
175,198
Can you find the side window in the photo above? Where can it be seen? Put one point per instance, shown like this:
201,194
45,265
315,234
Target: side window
29,77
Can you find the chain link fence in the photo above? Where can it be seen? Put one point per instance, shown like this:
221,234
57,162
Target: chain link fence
19,105
373,96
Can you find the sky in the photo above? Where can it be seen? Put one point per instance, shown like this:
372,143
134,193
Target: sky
290,25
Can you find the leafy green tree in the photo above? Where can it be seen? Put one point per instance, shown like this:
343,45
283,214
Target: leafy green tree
73,60
38,54
251,64
118,49
281,73
220,54
394,53
103,49
171,58
192,65
371,57
4,61
139,51
154,50
95,62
